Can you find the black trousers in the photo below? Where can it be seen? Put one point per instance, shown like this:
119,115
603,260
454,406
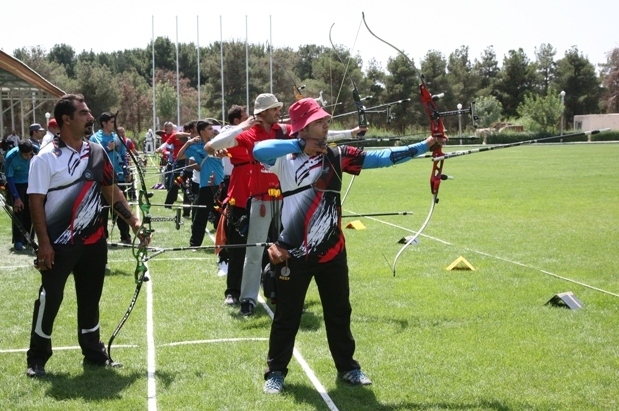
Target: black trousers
87,263
23,216
206,197
332,281
174,187
236,256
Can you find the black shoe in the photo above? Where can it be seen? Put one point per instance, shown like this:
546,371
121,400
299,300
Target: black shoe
35,371
247,308
107,363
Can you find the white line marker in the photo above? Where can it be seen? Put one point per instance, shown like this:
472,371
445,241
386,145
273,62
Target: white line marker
76,347
498,258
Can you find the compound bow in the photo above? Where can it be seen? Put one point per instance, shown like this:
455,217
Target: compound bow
142,237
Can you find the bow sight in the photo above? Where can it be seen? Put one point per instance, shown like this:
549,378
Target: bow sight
450,113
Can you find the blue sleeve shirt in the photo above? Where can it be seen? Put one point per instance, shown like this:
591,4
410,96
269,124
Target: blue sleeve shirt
17,167
210,167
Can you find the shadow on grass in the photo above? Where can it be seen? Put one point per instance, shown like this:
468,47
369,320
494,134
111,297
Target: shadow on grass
402,324
363,398
116,272
93,385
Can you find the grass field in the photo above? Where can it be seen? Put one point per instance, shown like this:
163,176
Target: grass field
534,221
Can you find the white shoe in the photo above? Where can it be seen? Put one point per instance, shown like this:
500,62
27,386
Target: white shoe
223,269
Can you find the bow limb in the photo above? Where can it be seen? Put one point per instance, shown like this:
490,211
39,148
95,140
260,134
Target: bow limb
362,120
436,130
412,240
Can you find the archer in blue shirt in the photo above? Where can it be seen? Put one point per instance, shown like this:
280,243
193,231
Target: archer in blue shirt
211,175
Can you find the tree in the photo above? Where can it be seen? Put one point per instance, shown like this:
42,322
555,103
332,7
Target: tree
401,83
165,54
488,109
541,113
166,101
610,79
308,53
97,85
188,100
135,102
376,76
463,80
545,66
487,69
64,55
516,80
576,76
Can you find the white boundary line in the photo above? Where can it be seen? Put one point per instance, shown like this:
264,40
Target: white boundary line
498,258
150,342
14,350
218,340
151,363
297,355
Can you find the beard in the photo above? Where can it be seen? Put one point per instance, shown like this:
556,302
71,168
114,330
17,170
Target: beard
88,130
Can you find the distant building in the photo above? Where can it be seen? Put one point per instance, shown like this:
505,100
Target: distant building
596,121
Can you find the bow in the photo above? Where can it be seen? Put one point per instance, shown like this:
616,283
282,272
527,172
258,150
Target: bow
362,120
18,224
141,237
437,131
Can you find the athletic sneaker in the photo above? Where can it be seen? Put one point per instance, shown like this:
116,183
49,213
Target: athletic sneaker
355,377
247,308
36,370
274,383
231,300
222,269
19,246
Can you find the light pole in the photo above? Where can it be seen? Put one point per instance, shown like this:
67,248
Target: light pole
562,94
460,121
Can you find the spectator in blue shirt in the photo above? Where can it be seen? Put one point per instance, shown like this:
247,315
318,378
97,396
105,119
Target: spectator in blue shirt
17,169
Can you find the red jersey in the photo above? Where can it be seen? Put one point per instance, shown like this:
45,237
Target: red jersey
177,143
261,180
238,188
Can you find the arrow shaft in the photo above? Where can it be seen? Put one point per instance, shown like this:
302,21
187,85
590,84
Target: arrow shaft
520,143
378,214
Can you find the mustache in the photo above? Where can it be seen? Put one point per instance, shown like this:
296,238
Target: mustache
90,124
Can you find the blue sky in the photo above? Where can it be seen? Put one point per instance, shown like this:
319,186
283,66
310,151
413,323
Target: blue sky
413,26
